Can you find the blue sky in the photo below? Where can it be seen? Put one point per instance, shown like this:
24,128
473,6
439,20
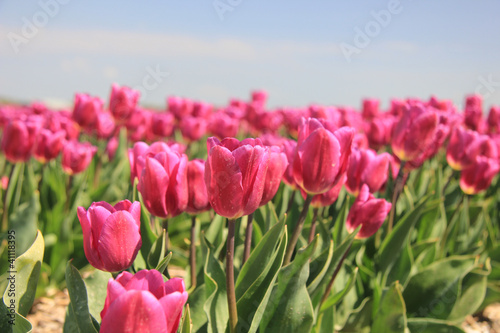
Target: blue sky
296,50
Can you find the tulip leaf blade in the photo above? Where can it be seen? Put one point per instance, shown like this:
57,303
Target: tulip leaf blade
394,242
431,325
97,284
147,235
162,265
334,299
26,271
257,277
24,222
291,309
186,321
391,314
78,300
215,288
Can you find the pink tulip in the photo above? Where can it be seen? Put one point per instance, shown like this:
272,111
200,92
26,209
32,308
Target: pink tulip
278,163
379,130
473,113
111,235
289,146
370,108
193,128
111,147
368,212
197,190
466,145
329,197
105,125
494,120
122,102
479,175
321,157
414,132
163,182
223,125
366,167
49,145
143,303
77,156
18,140
235,175
86,109
162,124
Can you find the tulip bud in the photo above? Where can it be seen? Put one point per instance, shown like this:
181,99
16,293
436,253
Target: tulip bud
86,109
122,102
479,175
414,132
163,182
111,235
235,175
18,140
321,157
368,212
48,145
77,156
143,303
370,108
366,167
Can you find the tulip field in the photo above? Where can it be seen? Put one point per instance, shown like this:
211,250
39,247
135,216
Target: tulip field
245,218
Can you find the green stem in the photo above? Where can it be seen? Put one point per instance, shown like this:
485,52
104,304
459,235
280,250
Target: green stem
312,231
297,231
248,238
395,195
332,280
164,225
8,190
290,201
192,252
231,293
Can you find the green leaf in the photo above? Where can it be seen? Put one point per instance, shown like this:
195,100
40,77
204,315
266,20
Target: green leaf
394,242
157,252
257,277
290,308
22,325
24,222
79,302
319,267
391,314
147,235
97,285
334,299
215,287
24,274
186,321
196,301
162,265
359,320
471,296
433,291
431,325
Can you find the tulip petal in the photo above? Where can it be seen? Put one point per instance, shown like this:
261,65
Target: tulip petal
119,242
224,182
173,304
89,245
153,187
135,311
115,289
147,280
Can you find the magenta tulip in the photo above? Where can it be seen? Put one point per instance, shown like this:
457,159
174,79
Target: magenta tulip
197,190
329,197
466,145
278,163
367,212
235,175
479,175
366,167
321,157
163,182
111,235
86,109
370,108
18,140
473,113
76,156
143,303
122,102
162,124
48,145
414,132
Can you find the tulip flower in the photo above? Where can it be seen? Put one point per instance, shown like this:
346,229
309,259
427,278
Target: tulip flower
494,120
236,174
414,132
122,102
379,130
77,156
192,128
289,146
111,235
479,175
105,125
197,190
466,145
48,145
222,125
111,147
86,109
18,140
162,124
366,167
473,113
368,212
163,182
370,108
321,157
179,107
143,303
329,197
